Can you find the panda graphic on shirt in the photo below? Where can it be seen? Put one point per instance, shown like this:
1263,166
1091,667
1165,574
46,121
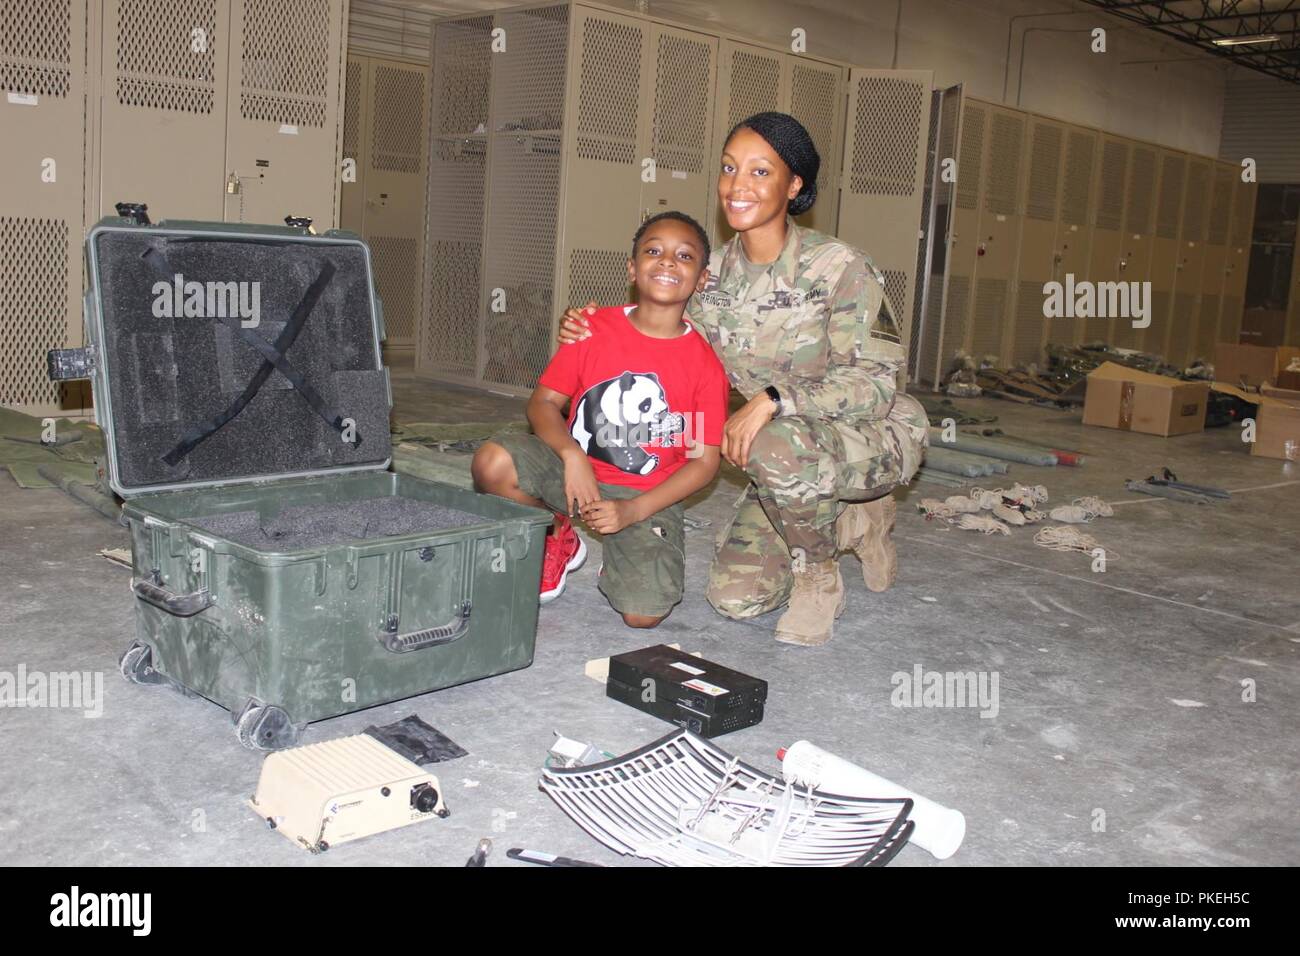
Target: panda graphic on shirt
615,418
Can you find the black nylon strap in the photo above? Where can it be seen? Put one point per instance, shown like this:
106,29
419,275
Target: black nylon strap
273,359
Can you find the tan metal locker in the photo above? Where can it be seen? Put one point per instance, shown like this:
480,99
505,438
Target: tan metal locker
1165,325
1038,229
964,243
998,250
1238,264
1072,245
817,101
524,195
163,107
884,177
1216,252
1198,342
352,185
283,140
1108,222
606,138
449,335
749,82
394,197
1292,332
681,126
1136,241
42,182
925,354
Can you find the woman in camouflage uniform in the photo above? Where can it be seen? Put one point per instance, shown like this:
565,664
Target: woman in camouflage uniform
796,318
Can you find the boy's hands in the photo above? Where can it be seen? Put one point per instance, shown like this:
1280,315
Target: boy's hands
610,517
573,324
579,481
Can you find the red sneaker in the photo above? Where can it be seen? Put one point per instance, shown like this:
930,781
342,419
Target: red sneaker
565,552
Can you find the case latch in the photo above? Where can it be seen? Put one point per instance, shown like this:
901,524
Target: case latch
66,365
135,211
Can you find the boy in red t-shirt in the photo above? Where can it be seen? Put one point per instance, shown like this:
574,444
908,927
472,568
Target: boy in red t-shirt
647,400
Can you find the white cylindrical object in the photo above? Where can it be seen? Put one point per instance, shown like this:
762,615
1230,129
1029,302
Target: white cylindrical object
939,829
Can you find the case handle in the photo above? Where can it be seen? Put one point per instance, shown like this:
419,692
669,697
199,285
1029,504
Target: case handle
151,590
454,629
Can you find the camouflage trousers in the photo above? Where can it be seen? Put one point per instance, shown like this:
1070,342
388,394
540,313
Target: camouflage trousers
802,473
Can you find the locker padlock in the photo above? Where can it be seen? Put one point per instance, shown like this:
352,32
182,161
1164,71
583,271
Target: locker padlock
233,185
1123,264
137,211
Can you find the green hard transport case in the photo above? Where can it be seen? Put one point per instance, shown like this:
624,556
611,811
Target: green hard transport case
280,569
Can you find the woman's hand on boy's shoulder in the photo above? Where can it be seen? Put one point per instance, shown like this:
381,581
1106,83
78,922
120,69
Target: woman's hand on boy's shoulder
575,324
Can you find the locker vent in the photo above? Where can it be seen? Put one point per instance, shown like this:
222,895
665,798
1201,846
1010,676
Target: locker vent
352,110
813,96
1044,172
1195,201
522,219
1207,329
887,124
284,76
450,343
1218,231
36,47
34,288
1183,329
956,314
1004,165
529,91
680,136
396,137
396,263
462,72
1110,204
609,91
755,85
1172,169
1027,346
1077,189
1243,211
600,276
896,286
990,307
1230,319
1158,332
971,161
1142,184
163,61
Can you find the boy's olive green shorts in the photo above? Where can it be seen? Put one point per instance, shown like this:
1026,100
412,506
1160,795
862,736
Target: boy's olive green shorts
645,563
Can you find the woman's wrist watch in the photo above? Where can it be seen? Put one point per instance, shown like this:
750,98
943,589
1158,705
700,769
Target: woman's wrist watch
775,396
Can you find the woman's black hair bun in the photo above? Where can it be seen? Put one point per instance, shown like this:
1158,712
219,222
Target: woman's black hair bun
787,136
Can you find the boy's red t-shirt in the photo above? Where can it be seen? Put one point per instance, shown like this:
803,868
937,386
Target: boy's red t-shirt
637,399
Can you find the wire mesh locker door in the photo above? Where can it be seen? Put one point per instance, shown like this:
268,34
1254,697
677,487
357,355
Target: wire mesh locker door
1136,246
680,123
1238,264
817,100
1073,242
884,173
606,143
1165,328
163,107
282,143
749,82
998,235
394,183
1107,223
42,181
1191,260
450,327
352,201
1213,277
963,245
925,352
1037,262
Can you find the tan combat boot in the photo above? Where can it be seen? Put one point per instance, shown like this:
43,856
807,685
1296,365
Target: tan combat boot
816,600
867,529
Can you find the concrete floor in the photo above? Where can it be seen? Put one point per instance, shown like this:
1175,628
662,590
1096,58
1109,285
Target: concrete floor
1119,692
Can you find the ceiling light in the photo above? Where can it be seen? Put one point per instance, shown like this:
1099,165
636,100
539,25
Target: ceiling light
1243,41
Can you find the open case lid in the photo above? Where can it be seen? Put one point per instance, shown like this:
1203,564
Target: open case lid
222,354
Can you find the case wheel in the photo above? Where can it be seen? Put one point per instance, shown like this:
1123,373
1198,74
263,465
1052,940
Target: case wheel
136,665
265,727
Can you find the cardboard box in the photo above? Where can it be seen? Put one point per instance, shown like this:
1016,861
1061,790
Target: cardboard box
1130,400
1252,364
1263,327
1277,420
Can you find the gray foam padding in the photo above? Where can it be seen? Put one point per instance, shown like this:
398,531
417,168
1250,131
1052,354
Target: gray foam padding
313,526
195,367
